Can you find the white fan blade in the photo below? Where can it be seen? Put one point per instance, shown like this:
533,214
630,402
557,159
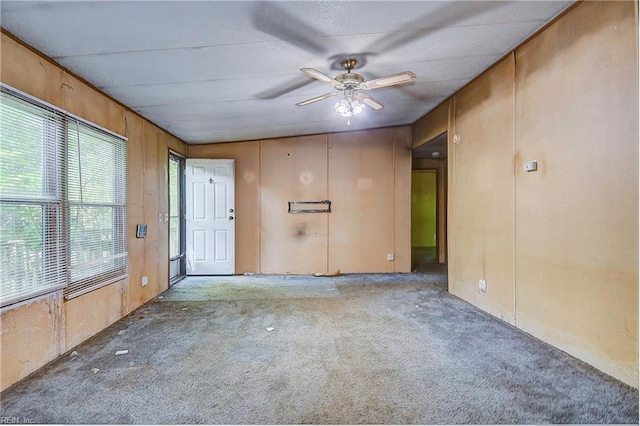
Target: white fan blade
390,80
368,100
316,99
322,77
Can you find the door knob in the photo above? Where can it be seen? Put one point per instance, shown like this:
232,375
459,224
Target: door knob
231,218
230,210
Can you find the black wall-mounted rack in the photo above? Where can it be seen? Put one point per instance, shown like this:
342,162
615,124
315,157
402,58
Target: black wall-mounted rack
309,207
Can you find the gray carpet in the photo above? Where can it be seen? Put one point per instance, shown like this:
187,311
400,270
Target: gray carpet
392,349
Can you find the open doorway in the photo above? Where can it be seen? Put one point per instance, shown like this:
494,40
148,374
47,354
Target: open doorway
423,217
429,206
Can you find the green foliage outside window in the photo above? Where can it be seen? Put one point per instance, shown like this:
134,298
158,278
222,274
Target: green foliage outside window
62,200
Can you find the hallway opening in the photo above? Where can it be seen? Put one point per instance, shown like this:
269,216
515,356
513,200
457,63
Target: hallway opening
429,206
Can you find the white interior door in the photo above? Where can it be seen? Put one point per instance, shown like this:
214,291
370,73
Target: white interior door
210,217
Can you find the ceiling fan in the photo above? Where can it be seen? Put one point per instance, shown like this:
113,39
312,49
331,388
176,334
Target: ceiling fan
353,85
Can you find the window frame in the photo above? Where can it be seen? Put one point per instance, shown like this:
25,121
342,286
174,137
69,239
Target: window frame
118,270
179,260
55,243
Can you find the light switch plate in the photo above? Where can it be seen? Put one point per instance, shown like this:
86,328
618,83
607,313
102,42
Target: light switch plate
141,231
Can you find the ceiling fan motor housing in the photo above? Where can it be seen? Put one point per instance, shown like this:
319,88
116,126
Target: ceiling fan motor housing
350,79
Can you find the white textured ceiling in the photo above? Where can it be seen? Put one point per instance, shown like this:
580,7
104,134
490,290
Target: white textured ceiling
213,71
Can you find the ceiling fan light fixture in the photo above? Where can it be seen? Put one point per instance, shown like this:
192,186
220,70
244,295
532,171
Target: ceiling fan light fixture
348,108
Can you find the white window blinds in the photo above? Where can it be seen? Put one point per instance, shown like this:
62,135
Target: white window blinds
32,250
62,201
97,192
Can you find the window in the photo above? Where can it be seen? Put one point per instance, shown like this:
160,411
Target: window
97,191
176,212
31,217
62,202
174,206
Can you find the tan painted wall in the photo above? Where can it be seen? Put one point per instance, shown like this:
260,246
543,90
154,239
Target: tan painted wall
36,332
431,125
363,173
362,189
93,312
577,217
293,169
32,335
481,192
176,145
247,169
402,140
80,99
156,170
26,71
558,247
134,125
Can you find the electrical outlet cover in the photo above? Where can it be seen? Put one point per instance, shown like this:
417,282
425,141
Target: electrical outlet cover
482,284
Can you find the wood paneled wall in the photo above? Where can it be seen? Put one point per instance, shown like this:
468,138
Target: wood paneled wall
367,177
293,169
559,246
577,217
481,192
362,187
37,332
248,208
432,125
